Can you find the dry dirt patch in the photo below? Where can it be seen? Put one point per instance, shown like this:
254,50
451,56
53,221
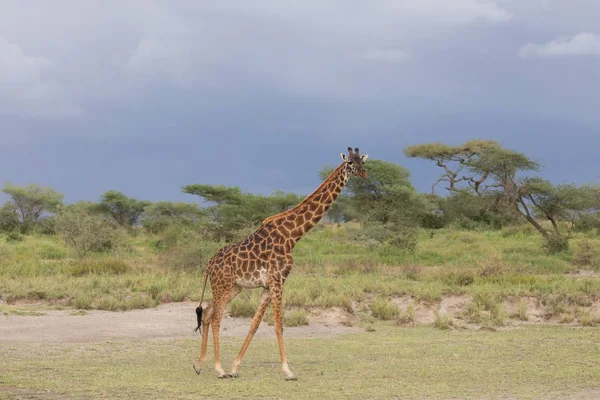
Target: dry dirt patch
168,321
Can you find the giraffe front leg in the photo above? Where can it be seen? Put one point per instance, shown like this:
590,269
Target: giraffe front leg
262,307
276,303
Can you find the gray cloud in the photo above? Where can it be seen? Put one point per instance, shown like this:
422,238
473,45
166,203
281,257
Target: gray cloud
117,51
582,44
166,89
25,88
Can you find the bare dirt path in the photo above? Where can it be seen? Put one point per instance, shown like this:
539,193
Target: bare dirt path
168,321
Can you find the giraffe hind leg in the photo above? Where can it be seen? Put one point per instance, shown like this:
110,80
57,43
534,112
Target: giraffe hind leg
206,319
220,300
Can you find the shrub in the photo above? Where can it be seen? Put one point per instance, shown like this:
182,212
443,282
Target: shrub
407,316
587,223
485,308
412,272
441,320
404,240
464,278
383,309
295,318
586,319
9,220
372,232
190,255
522,311
45,226
587,254
87,233
83,301
493,266
434,221
14,237
556,243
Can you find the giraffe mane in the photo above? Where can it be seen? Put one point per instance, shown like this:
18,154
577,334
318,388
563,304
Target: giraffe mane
308,199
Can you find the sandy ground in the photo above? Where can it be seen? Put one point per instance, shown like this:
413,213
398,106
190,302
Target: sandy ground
177,320
168,321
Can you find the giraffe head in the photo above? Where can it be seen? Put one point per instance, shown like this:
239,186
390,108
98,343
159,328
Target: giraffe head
354,162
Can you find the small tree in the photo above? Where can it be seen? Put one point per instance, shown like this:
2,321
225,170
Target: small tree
126,211
31,203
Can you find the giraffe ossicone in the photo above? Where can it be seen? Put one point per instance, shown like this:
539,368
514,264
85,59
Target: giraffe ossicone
264,259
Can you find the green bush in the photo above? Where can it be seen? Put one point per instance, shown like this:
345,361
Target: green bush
14,237
434,221
587,223
587,254
9,220
45,226
87,233
556,243
383,309
441,320
295,318
190,255
406,240
372,231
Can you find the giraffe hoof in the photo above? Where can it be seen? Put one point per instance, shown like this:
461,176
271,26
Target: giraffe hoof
224,376
197,371
291,378
234,375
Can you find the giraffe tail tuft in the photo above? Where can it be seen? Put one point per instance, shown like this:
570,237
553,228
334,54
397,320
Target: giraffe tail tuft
199,317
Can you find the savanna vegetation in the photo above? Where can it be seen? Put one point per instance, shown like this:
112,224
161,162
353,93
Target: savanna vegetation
495,233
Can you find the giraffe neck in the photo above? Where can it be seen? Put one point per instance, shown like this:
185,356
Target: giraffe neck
296,222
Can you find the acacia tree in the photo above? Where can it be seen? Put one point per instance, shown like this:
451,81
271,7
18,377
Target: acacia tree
231,209
386,196
126,211
31,203
483,168
160,215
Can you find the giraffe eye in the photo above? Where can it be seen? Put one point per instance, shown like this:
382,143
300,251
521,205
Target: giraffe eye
350,162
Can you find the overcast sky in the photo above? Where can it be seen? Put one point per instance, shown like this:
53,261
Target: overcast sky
146,96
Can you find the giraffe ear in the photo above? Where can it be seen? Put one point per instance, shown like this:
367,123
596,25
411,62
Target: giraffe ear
343,156
364,157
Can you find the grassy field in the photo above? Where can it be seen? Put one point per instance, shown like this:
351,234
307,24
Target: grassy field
384,288
388,362
333,268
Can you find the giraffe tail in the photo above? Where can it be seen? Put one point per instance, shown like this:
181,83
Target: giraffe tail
199,317
199,308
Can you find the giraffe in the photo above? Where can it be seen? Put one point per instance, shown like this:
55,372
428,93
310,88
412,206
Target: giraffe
264,260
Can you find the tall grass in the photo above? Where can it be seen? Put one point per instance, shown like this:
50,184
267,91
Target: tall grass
332,269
